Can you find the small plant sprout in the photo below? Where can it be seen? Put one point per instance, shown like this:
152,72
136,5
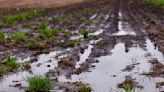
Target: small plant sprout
129,84
32,44
58,19
48,32
72,43
57,56
43,25
26,65
88,10
128,88
84,32
11,61
19,36
39,84
85,21
85,88
61,20
67,34
2,36
3,70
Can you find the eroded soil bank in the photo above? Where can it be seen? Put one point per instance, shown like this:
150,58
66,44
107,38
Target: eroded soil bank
104,43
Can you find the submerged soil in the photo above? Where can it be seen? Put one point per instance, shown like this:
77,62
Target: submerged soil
125,45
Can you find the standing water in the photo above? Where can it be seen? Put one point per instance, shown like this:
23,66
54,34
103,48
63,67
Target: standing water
123,27
108,72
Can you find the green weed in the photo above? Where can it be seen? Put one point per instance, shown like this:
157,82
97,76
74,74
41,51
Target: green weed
67,34
11,61
19,36
3,70
32,44
39,84
48,32
2,36
85,20
10,20
88,10
57,56
128,88
72,43
156,2
27,65
61,20
85,88
42,25
84,32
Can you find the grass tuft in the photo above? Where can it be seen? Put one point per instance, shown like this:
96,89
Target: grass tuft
84,32
128,88
67,34
72,43
19,36
85,88
10,20
48,32
39,84
2,36
156,2
27,65
3,70
11,61
32,44
61,20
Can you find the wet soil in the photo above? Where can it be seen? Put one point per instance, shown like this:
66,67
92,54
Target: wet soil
36,3
125,42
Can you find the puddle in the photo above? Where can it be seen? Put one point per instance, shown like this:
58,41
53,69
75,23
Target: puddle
113,65
97,32
20,60
93,17
123,27
8,82
84,56
45,63
76,37
106,16
87,52
95,41
122,32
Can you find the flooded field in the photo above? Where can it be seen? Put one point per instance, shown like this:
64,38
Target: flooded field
98,46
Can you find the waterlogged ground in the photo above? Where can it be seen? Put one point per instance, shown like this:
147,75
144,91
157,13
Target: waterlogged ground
124,44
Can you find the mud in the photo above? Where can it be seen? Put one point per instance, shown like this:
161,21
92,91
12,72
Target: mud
129,82
156,69
34,4
124,39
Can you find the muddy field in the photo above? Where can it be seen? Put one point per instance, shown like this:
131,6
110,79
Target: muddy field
105,44
36,3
